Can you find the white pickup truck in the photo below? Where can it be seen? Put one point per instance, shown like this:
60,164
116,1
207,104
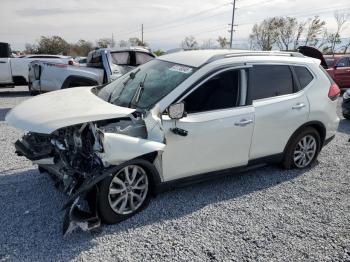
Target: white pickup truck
14,70
103,65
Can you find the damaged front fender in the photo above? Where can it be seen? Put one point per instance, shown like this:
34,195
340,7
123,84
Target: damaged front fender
118,148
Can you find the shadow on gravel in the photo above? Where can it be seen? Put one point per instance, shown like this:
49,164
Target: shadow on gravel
3,112
344,126
32,223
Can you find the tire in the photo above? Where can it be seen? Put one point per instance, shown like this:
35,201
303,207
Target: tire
119,191
294,153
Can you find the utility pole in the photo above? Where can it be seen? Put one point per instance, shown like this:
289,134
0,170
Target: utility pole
142,34
112,44
233,20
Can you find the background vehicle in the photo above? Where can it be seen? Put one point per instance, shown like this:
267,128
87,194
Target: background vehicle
338,67
179,118
14,70
102,66
81,60
346,104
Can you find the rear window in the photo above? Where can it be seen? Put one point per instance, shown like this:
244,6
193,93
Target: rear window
121,58
304,76
269,81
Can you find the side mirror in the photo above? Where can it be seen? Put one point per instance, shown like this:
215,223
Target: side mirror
177,111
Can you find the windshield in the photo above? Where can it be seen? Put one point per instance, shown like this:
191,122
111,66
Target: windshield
146,85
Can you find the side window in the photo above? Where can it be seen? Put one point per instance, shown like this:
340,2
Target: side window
304,76
269,81
142,58
343,62
120,58
219,92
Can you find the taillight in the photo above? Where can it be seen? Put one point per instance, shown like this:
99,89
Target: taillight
70,62
333,92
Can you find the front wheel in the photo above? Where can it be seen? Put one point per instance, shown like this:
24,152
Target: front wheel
303,150
124,194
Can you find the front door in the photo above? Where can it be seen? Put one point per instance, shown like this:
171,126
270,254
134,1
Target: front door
218,124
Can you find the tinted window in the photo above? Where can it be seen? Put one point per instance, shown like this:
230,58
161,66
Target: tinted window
343,62
270,80
142,58
330,62
121,58
219,92
304,75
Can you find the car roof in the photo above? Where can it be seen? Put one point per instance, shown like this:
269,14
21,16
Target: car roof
197,58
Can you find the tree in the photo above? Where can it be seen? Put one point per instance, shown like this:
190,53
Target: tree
208,44
298,34
341,19
189,43
265,34
223,42
346,46
52,45
31,48
104,42
81,48
287,29
123,43
158,52
134,41
315,27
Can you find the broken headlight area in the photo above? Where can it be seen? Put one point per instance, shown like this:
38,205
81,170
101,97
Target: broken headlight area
72,157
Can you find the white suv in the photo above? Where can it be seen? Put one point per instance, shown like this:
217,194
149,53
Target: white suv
178,118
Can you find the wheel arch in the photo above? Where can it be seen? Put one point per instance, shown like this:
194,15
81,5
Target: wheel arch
79,80
319,126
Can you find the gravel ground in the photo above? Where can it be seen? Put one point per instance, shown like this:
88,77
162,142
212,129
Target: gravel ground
261,215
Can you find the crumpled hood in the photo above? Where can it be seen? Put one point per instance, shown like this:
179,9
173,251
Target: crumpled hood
49,112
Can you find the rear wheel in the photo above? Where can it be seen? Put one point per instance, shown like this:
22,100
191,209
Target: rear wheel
124,194
303,149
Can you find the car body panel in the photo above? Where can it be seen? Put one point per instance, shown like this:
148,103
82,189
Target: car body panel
49,112
214,142
275,122
128,148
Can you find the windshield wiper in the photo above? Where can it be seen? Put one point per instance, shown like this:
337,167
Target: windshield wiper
131,76
136,97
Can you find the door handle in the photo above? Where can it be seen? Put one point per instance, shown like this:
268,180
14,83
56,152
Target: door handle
298,106
244,122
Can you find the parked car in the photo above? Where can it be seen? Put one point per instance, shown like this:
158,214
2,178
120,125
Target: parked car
14,70
177,119
103,66
346,104
338,67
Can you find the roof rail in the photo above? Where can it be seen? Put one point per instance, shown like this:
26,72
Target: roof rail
253,53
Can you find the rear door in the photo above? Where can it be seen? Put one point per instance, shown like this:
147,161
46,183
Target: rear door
279,108
342,72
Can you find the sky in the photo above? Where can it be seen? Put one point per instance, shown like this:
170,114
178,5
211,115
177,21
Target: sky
166,22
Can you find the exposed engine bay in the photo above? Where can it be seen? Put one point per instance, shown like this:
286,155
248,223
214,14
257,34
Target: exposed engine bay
78,157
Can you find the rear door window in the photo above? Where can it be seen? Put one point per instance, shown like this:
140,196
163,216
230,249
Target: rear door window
270,81
304,76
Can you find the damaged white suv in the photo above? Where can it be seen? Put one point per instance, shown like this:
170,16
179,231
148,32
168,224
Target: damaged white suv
178,118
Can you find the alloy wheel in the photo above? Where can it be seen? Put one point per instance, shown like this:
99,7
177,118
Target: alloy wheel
305,151
128,189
